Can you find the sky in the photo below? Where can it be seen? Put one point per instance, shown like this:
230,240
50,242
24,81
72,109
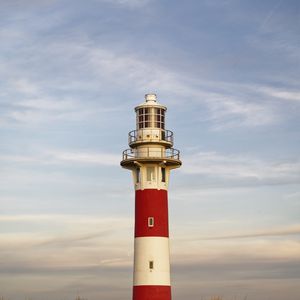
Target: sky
71,73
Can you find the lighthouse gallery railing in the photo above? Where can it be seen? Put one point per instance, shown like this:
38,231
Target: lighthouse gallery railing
148,153
150,134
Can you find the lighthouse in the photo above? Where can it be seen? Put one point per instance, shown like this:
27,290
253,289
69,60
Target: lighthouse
150,159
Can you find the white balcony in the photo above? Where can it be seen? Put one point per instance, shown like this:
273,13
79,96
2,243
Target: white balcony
142,136
147,153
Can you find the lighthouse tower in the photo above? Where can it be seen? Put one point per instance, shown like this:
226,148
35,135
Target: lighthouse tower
150,158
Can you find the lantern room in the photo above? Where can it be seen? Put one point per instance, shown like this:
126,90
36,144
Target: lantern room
150,114
150,124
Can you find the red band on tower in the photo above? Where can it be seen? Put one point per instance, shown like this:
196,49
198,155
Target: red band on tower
151,203
149,292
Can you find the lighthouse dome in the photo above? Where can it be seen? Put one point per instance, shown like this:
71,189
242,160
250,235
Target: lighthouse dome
150,100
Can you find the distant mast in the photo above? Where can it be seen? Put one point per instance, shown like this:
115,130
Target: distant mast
150,158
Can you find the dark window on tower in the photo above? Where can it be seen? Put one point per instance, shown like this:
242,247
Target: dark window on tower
151,264
163,174
150,222
138,174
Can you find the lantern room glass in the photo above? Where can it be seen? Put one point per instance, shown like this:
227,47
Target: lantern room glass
159,118
150,117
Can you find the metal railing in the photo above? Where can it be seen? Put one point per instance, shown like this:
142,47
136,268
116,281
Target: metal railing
150,135
151,153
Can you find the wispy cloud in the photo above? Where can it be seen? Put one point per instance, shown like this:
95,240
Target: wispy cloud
56,157
281,232
241,167
26,87
80,241
106,159
114,68
78,219
227,112
291,95
69,242
31,103
128,3
271,13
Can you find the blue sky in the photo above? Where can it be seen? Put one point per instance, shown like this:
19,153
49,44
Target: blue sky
71,73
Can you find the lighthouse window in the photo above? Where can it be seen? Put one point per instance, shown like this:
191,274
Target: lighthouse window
151,264
138,174
160,118
143,118
150,173
163,174
150,222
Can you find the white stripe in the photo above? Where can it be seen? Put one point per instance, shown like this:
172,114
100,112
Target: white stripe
155,249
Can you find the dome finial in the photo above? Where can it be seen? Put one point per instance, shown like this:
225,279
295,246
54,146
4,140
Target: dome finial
150,97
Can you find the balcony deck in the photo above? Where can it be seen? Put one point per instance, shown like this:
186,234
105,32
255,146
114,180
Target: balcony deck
169,156
144,136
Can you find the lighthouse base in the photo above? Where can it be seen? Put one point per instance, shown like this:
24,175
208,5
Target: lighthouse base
151,292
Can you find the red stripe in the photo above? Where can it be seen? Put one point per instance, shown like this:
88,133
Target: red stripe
151,203
151,292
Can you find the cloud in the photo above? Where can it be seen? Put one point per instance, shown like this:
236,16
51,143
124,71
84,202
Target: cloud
189,250
63,249
241,167
106,159
26,87
78,235
48,104
49,157
270,14
76,242
293,230
97,67
111,68
228,112
128,3
277,39
32,103
78,254
281,93
43,110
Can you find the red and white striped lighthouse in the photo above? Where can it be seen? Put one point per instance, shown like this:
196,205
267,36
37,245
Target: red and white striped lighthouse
150,158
